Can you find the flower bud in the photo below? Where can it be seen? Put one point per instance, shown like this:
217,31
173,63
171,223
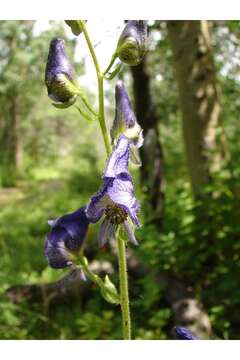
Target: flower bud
109,291
132,43
125,121
59,77
75,26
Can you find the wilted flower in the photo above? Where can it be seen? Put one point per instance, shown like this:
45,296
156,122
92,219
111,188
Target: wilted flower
59,76
66,238
182,333
132,44
125,121
116,200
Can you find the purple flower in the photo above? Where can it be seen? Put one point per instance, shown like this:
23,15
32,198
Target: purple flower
125,121
116,200
182,333
66,238
59,76
132,44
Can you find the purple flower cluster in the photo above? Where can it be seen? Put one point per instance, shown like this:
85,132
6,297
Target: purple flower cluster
115,202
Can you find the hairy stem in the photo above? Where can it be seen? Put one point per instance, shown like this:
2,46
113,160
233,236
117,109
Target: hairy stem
124,298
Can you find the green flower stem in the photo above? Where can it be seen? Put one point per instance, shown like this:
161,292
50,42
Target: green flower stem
107,288
101,114
83,113
114,73
95,278
124,298
110,64
86,103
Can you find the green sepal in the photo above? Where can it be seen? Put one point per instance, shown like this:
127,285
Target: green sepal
65,105
130,52
84,114
109,291
75,26
114,72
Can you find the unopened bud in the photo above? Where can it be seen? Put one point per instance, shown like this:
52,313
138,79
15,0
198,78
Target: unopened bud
75,26
132,44
125,121
59,76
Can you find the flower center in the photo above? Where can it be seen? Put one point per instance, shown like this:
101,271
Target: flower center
115,214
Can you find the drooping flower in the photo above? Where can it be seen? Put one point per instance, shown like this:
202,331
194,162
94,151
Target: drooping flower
182,333
125,121
65,238
132,44
116,200
59,76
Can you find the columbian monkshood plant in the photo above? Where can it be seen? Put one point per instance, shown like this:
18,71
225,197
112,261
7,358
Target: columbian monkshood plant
115,203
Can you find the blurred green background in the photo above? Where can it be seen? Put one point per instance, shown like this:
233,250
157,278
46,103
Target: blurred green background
186,270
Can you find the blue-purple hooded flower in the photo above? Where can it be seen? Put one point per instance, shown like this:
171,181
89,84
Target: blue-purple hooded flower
116,200
59,74
65,238
182,333
132,44
125,121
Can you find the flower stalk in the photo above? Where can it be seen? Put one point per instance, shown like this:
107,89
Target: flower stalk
124,297
101,114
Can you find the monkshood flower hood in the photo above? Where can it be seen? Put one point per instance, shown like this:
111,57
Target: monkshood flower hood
125,121
59,75
66,238
116,201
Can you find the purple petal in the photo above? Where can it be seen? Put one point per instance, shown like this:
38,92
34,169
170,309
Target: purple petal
76,225
67,234
125,120
82,275
122,193
183,333
130,233
106,232
57,235
118,160
124,115
57,256
57,62
97,205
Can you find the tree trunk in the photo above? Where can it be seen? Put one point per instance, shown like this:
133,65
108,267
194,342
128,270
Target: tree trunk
10,159
199,100
200,107
151,153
